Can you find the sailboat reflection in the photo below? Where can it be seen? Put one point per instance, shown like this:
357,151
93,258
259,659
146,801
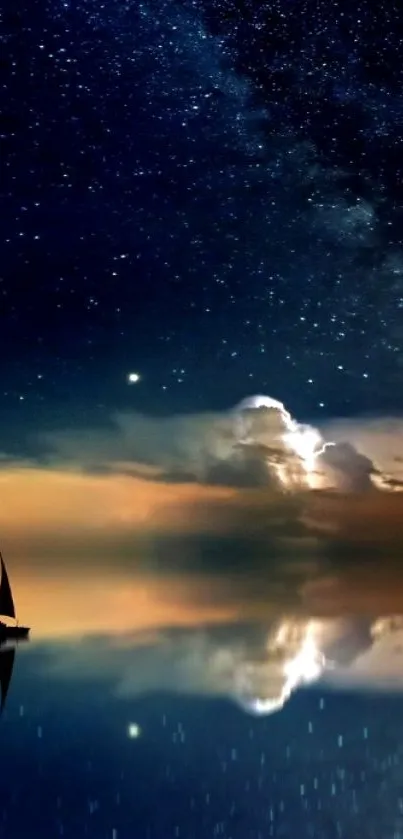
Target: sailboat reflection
6,671
7,633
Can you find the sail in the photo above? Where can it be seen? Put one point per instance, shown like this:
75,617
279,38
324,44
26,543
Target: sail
6,671
6,598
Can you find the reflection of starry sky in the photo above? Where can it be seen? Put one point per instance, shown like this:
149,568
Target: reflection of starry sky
208,194
327,766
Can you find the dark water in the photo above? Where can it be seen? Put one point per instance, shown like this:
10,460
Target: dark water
328,765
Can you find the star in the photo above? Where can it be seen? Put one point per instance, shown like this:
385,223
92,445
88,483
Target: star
133,378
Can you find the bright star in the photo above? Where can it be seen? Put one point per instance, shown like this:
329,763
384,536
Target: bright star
133,378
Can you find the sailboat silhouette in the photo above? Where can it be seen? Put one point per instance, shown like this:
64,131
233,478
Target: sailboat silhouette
7,608
7,633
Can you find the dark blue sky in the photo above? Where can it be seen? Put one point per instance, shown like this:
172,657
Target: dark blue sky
208,195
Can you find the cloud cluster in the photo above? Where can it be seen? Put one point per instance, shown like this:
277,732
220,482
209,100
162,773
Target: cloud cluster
256,444
225,553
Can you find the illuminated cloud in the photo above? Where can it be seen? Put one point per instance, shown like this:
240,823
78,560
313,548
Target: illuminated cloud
256,444
380,439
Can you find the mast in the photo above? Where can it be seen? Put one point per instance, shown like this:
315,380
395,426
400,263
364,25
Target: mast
6,598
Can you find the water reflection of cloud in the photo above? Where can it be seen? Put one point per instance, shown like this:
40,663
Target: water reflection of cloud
247,663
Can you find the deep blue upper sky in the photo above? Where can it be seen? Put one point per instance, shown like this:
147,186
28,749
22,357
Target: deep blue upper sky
207,194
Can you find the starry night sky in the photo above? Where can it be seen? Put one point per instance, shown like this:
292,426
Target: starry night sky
208,195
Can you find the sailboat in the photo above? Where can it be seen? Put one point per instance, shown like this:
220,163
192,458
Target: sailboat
7,608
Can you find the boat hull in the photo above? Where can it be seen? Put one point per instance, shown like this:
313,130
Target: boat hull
13,633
